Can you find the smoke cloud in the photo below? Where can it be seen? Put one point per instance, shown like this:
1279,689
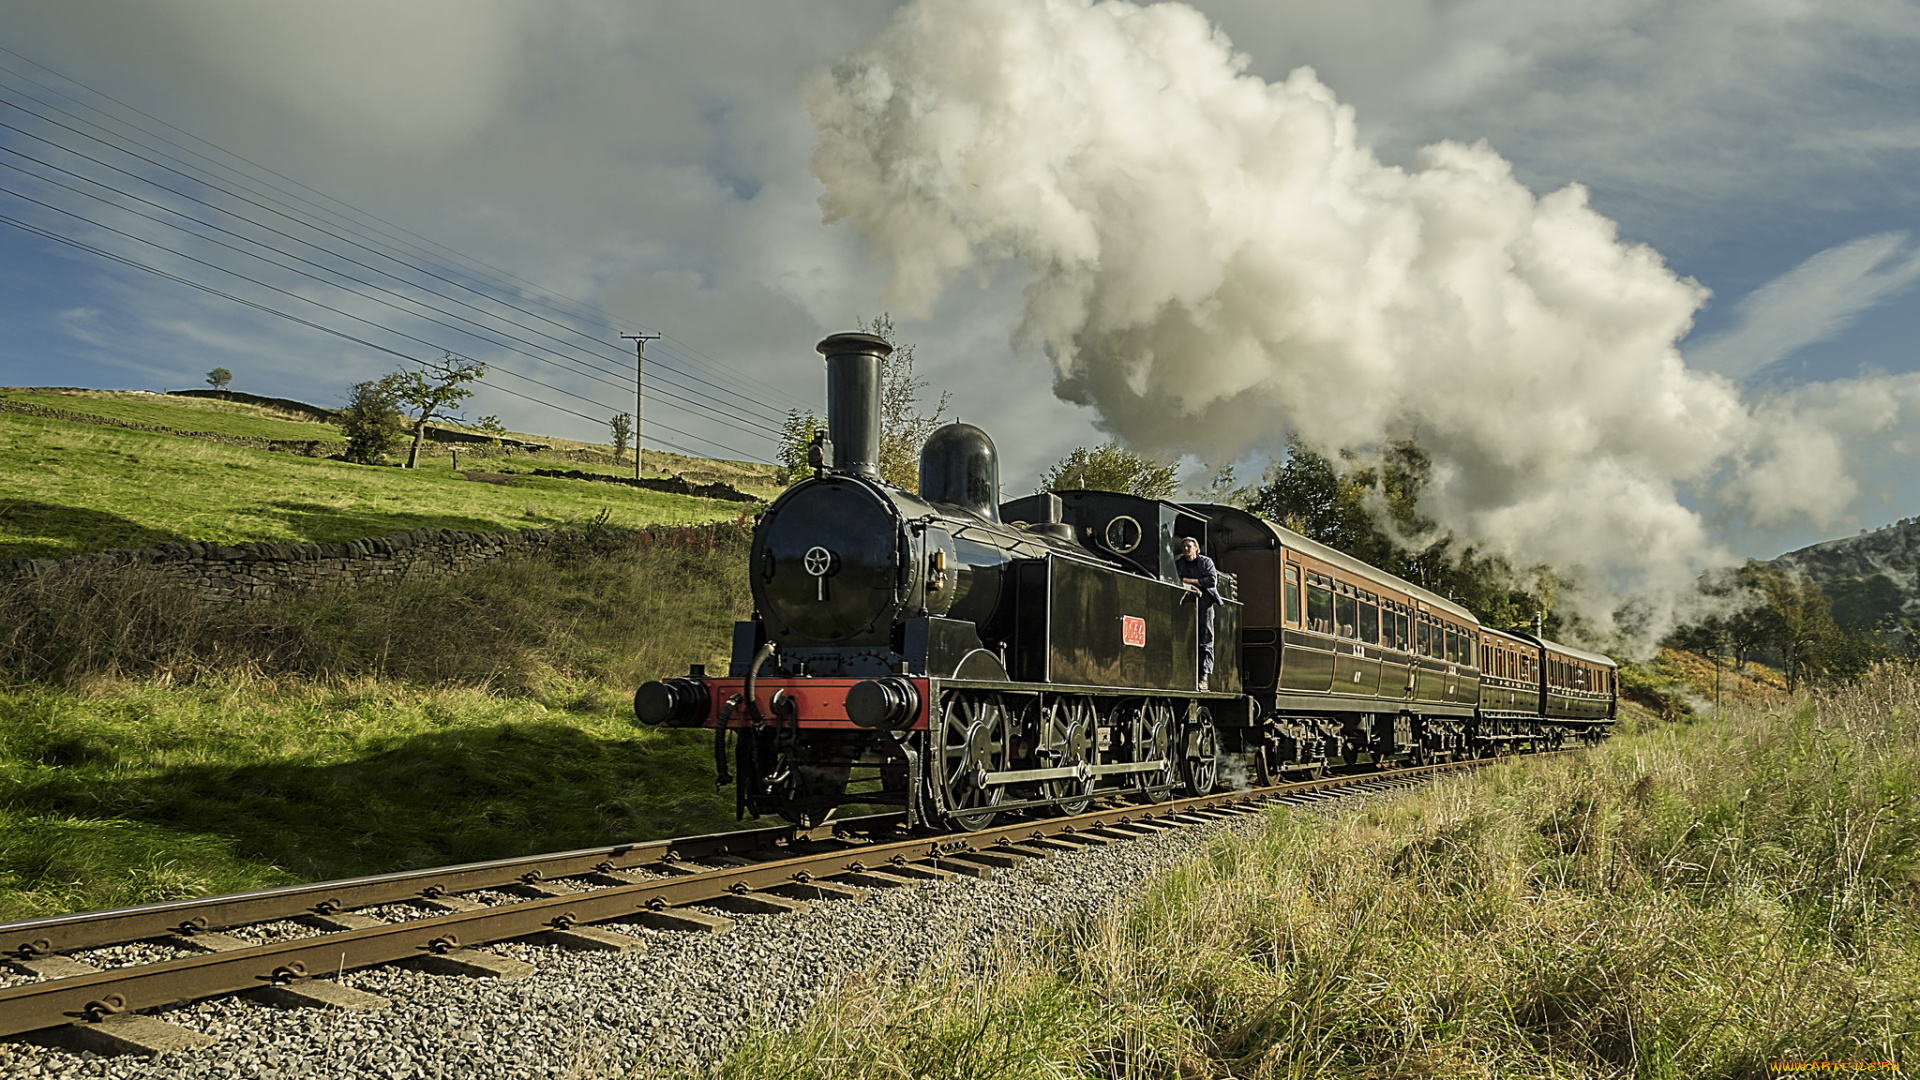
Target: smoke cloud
1216,259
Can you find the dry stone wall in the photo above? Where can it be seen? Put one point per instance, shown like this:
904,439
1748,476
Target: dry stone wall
241,573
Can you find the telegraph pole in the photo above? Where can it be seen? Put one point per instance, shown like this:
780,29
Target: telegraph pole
639,374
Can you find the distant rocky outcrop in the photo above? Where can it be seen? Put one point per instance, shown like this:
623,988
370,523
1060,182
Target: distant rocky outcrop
1869,577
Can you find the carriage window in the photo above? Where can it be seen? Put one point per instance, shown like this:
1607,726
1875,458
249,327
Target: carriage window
1292,593
1319,607
1344,615
1402,633
1370,621
1453,647
1420,633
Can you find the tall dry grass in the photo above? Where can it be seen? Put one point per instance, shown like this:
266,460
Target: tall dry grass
153,748
1689,900
602,607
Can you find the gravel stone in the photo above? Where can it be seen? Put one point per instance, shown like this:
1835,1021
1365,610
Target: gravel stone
677,999
268,933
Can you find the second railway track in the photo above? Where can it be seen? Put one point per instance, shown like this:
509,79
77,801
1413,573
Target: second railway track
676,884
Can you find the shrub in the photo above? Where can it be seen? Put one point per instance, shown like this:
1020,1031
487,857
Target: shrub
372,423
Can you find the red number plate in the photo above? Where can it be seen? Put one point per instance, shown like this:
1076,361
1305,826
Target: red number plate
1133,631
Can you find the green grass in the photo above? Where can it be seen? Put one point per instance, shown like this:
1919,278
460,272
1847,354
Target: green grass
152,793
183,414
1692,900
154,748
69,488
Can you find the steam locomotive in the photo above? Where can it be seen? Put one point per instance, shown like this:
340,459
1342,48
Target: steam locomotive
963,658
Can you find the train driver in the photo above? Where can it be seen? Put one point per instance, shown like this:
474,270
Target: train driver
1197,573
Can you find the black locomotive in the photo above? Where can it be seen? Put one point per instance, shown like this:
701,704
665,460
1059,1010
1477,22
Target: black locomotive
964,658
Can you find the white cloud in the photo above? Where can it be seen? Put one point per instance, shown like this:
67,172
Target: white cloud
1811,303
1214,260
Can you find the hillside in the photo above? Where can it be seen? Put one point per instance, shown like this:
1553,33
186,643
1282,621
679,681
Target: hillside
1868,577
84,471
154,747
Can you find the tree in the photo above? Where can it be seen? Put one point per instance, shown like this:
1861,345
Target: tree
1112,468
219,377
796,434
1372,513
903,427
1223,488
371,422
491,425
432,391
622,428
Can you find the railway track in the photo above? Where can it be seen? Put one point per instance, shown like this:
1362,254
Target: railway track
448,915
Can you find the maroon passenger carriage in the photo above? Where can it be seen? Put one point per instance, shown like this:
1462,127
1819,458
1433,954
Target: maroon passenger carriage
1343,660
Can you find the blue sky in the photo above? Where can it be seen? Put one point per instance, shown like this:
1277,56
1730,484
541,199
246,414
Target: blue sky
652,160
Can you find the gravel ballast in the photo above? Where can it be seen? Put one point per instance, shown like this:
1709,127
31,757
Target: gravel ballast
678,997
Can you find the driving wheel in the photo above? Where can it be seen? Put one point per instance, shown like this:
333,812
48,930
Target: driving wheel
973,744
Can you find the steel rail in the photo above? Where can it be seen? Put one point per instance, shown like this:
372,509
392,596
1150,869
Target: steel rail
54,1002
90,930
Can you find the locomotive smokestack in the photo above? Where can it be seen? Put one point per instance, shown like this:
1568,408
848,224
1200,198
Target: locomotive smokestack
853,400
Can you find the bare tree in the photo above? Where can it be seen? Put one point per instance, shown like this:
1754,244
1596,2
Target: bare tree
903,427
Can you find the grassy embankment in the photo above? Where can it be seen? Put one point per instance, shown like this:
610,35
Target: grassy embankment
1690,900
68,488
154,748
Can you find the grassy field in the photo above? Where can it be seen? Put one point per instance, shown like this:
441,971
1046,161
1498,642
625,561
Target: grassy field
1691,900
69,488
153,748
181,413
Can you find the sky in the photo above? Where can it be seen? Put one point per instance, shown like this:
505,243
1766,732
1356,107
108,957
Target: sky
1641,276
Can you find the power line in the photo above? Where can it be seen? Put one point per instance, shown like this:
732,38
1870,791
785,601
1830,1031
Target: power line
682,347
727,417
257,306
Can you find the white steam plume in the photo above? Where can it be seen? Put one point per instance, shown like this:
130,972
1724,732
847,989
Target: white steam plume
1216,259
